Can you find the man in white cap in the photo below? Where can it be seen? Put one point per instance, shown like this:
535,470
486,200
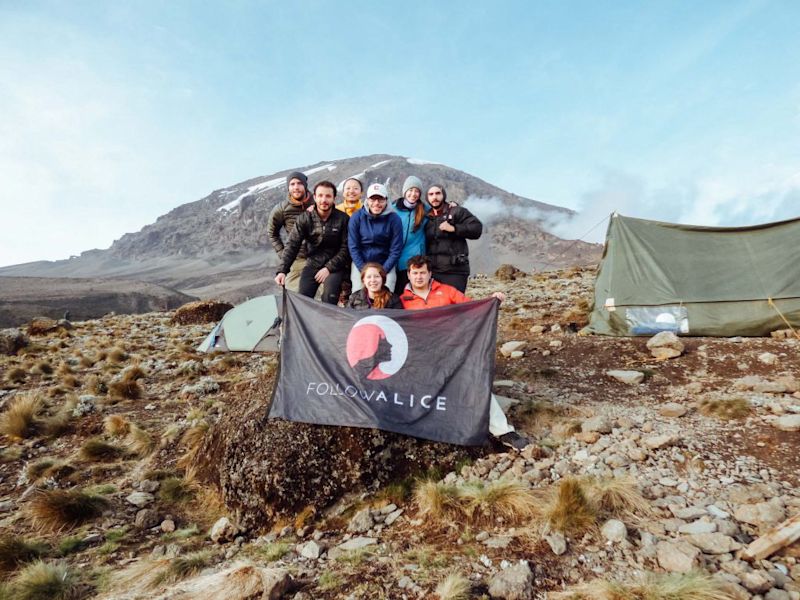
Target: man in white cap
375,234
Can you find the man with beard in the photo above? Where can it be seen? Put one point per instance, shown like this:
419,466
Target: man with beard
323,231
283,216
423,292
446,233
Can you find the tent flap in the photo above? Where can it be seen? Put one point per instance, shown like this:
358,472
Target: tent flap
697,280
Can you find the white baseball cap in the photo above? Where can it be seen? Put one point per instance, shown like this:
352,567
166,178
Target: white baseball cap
377,189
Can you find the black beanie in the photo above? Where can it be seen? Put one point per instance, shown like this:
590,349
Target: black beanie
297,175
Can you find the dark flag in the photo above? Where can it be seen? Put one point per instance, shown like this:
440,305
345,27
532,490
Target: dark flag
424,373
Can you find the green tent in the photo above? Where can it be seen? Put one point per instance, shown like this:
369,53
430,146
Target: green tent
253,326
703,281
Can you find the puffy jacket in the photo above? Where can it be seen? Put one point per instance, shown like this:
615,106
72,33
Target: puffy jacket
283,216
448,250
440,294
413,241
375,238
359,300
326,241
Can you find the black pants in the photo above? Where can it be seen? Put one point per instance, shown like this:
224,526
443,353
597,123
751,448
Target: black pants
330,288
457,280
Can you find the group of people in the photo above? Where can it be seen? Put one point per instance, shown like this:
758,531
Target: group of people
398,255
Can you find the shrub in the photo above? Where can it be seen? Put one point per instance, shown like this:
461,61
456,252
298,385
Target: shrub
116,425
16,375
454,587
182,567
139,442
175,490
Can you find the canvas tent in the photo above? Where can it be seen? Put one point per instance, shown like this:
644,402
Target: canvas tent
704,281
253,326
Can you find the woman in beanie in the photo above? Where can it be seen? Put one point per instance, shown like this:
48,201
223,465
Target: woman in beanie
411,211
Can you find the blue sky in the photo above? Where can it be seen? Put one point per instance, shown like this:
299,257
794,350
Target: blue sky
112,114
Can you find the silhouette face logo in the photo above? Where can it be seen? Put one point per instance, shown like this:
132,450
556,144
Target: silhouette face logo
377,347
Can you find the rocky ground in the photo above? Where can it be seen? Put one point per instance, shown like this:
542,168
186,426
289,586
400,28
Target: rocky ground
662,473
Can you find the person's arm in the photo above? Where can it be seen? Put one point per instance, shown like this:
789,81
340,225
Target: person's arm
341,258
276,221
396,247
354,241
299,233
466,224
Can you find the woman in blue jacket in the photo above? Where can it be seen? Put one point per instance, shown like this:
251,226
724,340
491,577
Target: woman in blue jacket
411,211
375,234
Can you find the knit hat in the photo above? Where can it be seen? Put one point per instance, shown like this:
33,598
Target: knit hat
412,182
297,175
441,187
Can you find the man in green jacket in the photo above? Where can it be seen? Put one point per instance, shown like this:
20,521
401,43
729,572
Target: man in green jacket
283,216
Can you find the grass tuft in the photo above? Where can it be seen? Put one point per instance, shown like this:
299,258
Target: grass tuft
274,551
46,581
16,375
15,551
116,425
454,587
570,511
671,586
175,490
182,567
728,409
95,449
20,420
117,355
477,502
55,510
617,496
139,442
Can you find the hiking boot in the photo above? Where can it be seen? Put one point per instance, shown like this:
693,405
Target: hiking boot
514,440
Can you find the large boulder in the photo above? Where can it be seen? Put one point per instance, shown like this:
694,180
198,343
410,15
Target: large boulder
508,273
267,469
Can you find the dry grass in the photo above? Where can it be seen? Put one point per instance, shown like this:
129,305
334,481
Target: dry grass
116,425
46,581
569,510
95,385
730,408
617,496
97,450
43,367
16,375
20,420
59,423
15,551
674,586
476,502
191,440
139,442
55,510
182,567
454,587
175,490
117,355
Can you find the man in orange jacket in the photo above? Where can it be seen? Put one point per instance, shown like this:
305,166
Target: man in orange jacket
424,292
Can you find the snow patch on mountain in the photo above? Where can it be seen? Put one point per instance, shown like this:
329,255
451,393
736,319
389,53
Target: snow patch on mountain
381,163
266,185
329,166
419,161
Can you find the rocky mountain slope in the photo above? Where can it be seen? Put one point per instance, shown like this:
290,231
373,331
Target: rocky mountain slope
646,477
23,298
217,247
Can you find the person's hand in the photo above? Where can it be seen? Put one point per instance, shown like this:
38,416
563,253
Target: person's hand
322,275
452,204
499,295
445,226
311,208
280,279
